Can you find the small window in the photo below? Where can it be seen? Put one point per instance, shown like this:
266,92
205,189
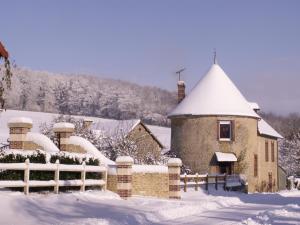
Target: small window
225,132
255,165
267,151
272,151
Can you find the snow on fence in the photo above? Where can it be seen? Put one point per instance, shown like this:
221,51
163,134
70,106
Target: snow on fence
196,180
57,168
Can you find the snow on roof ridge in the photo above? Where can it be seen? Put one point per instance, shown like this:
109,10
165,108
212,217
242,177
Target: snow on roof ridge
265,129
90,148
20,120
214,94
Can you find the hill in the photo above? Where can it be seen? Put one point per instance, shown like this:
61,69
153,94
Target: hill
88,95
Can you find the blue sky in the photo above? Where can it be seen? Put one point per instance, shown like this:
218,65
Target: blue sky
257,42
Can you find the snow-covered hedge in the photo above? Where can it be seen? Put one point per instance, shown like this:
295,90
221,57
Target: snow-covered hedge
42,157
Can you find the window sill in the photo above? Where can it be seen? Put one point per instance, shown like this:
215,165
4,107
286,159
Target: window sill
225,139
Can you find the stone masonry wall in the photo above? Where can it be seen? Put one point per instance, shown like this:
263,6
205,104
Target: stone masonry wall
145,143
151,184
266,167
195,139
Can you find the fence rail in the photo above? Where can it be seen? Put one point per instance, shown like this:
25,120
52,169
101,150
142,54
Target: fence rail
57,168
196,180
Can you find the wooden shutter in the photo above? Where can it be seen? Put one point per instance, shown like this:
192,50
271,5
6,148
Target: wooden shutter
267,151
218,130
232,130
255,165
272,152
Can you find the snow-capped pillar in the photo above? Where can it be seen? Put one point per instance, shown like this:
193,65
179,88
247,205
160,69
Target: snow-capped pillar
174,165
63,131
18,129
124,176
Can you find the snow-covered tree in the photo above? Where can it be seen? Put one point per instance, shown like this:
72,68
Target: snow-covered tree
289,154
5,75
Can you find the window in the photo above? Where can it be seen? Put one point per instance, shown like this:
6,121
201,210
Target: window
267,151
272,151
255,165
225,130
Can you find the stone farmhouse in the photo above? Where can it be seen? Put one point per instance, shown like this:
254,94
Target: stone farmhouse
140,134
214,129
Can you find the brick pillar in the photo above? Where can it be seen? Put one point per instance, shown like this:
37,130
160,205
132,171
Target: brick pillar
18,129
124,176
181,90
174,165
63,131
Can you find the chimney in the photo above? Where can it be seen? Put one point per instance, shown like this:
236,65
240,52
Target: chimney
18,129
63,131
87,123
181,90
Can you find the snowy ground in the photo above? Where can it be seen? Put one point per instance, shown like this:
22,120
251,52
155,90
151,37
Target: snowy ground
97,208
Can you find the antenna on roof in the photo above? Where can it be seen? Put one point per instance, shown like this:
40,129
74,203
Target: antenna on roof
179,73
215,56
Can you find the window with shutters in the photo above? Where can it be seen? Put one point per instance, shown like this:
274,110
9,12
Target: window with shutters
255,165
225,130
267,151
272,151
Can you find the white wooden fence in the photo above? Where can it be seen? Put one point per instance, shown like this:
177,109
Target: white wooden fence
195,180
57,168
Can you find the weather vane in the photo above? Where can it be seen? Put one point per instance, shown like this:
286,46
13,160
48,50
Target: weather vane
179,73
215,56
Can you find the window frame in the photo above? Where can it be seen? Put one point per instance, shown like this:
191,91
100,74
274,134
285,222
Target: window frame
225,122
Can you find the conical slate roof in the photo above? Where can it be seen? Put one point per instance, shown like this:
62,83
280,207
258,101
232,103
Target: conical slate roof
214,94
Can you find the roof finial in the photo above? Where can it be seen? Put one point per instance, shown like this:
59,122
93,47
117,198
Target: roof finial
215,56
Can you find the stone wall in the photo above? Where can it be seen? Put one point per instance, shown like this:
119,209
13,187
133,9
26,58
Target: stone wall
146,180
195,139
267,167
151,184
112,183
145,142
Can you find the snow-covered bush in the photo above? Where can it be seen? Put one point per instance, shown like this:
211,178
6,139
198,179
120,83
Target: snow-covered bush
41,157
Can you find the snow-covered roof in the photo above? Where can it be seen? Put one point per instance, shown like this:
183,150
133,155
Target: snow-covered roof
225,157
20,120
124,127
90,148
254,105
214,94
265,129
111,126
42,141
163,134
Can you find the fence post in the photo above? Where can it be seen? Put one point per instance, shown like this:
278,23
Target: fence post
216,185
206,185
185,182
225,179
56,177
174,165
26,177
124,176
196,181
105,178
83,173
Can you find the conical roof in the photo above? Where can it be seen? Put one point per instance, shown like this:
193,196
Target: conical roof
214,94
